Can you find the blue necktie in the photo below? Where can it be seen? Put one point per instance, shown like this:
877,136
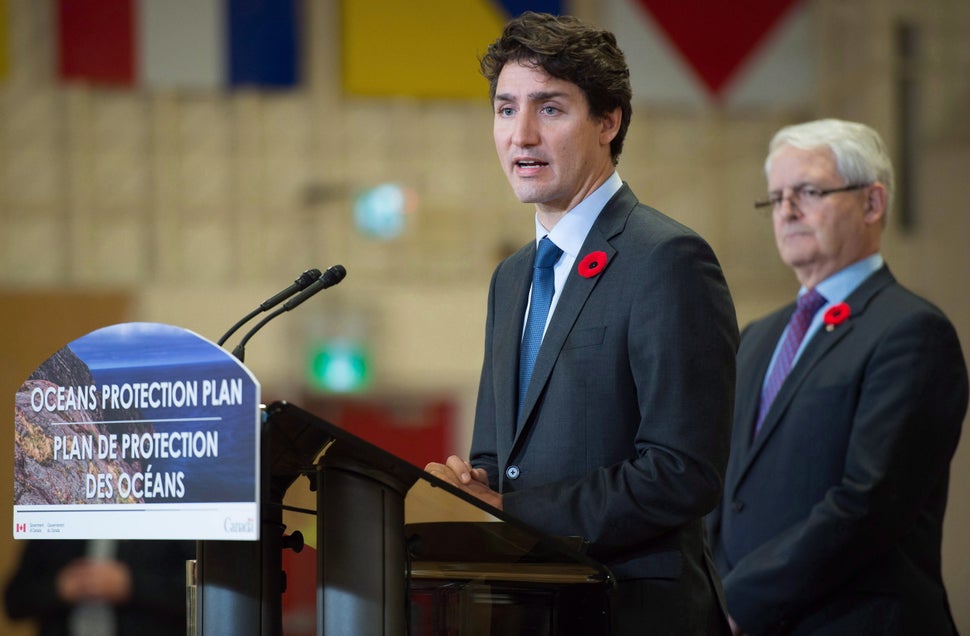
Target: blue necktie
809,303
543,286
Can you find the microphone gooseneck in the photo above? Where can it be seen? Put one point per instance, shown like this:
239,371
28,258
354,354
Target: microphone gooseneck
328,279
305,280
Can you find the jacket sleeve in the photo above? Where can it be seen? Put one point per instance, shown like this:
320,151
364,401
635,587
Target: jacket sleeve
484,453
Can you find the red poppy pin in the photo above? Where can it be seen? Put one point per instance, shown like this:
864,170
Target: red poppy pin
836,315
592,264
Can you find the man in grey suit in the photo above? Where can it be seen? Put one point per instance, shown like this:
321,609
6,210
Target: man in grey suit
833,507
620,433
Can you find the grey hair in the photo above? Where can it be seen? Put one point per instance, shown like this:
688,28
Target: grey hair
860,154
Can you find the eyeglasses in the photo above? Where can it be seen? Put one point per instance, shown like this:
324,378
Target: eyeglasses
804,197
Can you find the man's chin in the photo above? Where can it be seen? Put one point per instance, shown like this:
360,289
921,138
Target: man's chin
796,248
795,257
529,196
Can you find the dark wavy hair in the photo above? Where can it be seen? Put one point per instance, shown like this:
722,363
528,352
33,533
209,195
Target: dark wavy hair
566,48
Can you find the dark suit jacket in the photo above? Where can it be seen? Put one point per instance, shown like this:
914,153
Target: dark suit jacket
157,604
832,518
624,434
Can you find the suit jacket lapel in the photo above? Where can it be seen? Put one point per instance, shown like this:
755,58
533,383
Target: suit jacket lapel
748,413
508,337
820,345
576,291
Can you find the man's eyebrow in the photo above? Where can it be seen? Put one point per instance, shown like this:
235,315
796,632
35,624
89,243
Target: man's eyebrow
533,97
800,184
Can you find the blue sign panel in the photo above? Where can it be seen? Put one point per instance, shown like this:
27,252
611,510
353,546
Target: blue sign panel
138,431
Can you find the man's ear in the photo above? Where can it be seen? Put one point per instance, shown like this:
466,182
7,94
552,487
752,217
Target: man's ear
876,202
610,125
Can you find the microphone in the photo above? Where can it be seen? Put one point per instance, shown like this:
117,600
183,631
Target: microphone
329,278
301,283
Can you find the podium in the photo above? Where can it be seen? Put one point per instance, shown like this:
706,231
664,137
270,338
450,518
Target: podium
149,431
399,551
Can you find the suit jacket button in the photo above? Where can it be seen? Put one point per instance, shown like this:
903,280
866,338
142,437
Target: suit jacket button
737,505
512,472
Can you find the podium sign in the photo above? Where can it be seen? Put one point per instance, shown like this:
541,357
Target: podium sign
138,431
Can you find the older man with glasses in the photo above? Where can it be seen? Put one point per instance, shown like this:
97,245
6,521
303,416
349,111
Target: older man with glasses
848,409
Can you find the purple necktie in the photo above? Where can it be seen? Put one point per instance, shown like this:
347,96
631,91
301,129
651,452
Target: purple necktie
809,303
543,286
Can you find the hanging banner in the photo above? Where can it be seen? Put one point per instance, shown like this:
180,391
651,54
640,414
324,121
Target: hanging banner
138,431
179,44
756,55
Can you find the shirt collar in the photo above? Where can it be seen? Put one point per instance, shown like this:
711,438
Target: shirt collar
570,232
837,287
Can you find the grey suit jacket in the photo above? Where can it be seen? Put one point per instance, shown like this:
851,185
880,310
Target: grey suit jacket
624,433
832,517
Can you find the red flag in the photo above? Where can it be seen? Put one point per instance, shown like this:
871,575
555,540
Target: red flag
716,37
96,39
750,54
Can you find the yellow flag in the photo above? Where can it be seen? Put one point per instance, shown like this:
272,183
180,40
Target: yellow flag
419,48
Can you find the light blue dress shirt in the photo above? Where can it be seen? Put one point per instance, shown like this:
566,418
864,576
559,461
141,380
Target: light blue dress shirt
835,289
570,233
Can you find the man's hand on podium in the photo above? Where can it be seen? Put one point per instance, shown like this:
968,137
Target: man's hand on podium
460,474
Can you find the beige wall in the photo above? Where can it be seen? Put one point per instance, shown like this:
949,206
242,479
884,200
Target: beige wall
202,205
